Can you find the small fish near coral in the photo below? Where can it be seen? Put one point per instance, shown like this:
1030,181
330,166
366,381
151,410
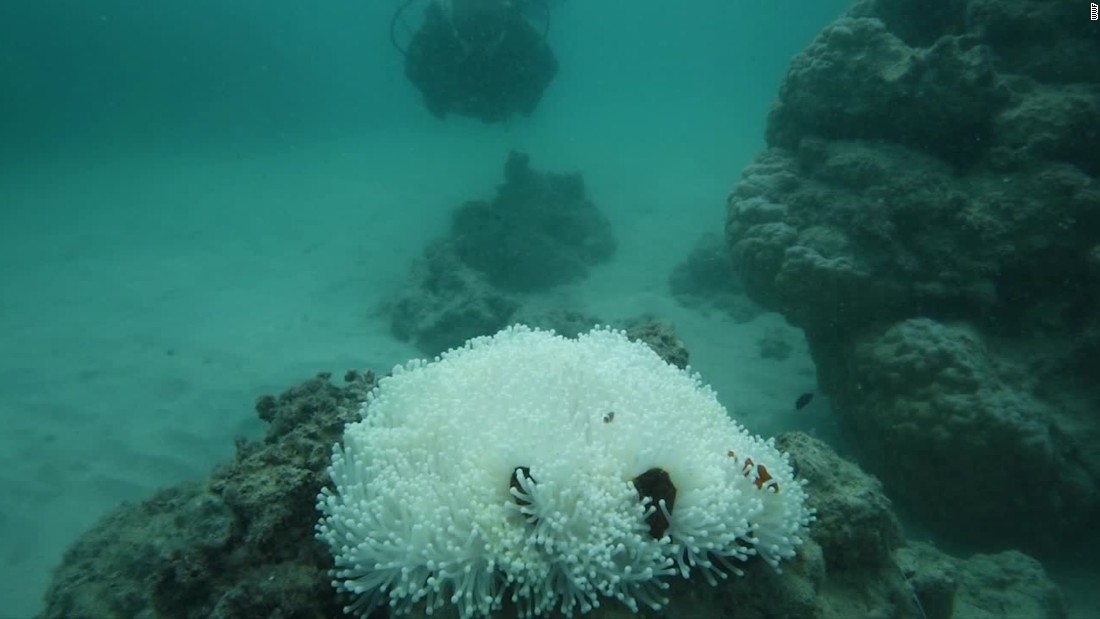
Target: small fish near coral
803,401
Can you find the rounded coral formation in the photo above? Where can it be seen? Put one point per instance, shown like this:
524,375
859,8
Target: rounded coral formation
548,474
928,211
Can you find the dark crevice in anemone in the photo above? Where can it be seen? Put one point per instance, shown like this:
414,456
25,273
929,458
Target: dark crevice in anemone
656,485
514,483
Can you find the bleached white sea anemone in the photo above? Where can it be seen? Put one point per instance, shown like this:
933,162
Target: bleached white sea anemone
542,473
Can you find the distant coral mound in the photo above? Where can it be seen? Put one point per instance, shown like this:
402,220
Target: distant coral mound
928,210
540,231
705,281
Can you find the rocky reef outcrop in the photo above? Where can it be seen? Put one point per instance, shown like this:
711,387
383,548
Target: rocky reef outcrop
928,211
538,232
241,543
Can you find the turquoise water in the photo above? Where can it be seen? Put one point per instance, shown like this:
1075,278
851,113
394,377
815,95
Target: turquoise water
203,202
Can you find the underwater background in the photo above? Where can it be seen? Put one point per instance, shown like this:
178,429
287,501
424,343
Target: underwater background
205,202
